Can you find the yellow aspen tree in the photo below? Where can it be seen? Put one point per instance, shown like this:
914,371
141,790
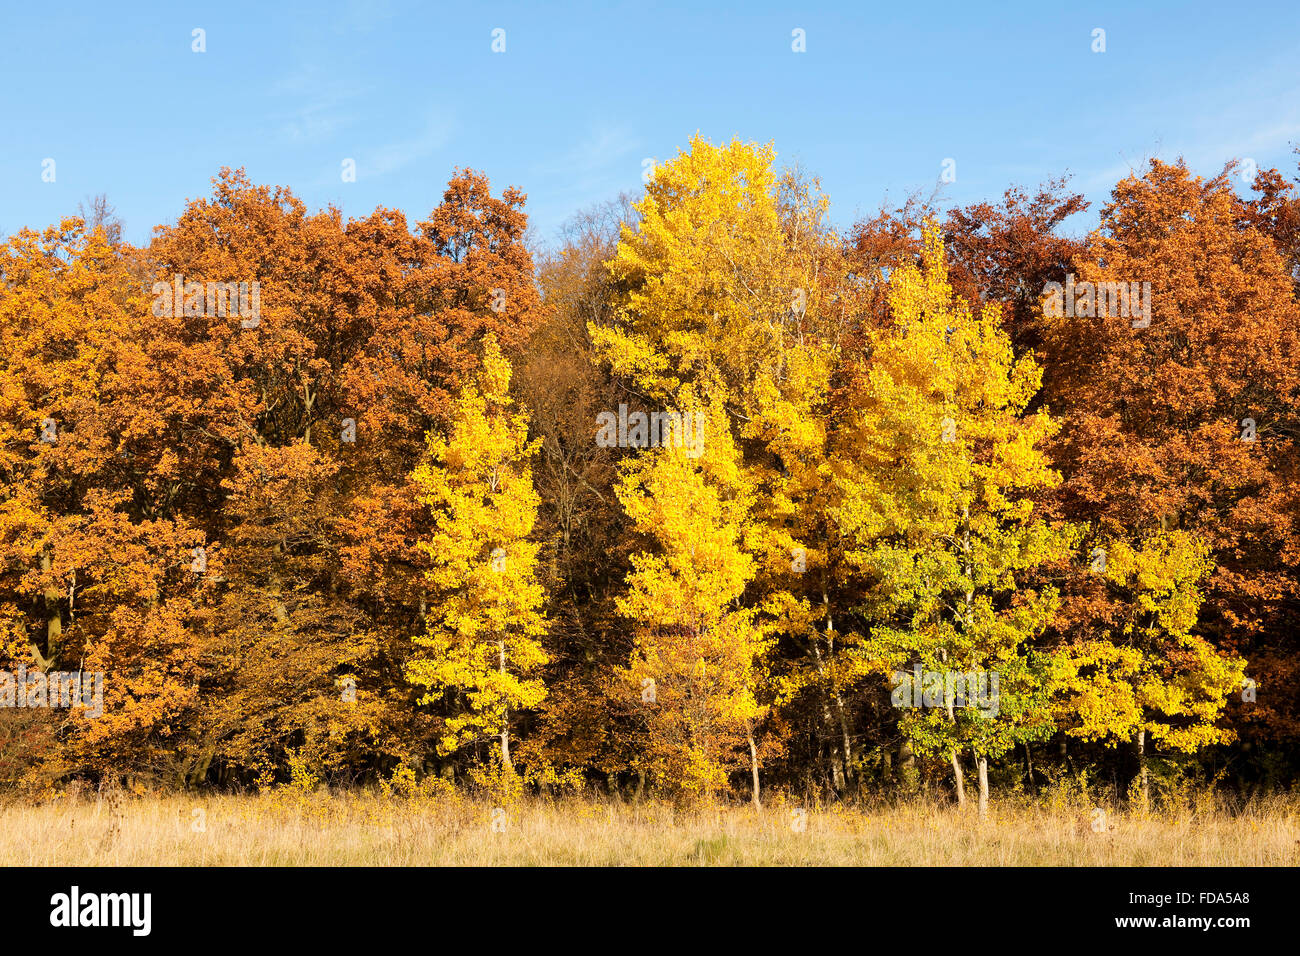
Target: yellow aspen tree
724,277
940,460
1150,678
798,548
481,647
790,420
707,290
694,662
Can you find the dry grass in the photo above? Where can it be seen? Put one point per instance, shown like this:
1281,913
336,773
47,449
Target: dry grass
289,828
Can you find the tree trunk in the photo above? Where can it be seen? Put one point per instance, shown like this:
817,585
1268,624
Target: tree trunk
956,761
837,769
505,718
906,766
845,740
1140,743
982,765
200,769
53,619
840,771
753,767
957,779
846,744
278,607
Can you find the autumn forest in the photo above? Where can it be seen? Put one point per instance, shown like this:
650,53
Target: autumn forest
710,499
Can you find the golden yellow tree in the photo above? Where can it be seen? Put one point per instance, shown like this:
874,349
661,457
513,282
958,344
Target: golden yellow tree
704,269
723,277
938,465
694,660
1150,677
481,646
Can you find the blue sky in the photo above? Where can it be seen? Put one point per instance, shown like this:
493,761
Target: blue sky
584,92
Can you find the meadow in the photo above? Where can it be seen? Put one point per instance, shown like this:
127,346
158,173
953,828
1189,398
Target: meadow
354,828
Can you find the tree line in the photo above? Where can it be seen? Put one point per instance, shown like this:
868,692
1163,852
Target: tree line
710,498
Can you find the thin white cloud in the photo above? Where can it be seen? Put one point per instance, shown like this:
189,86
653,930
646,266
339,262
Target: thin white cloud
319,105
392,157
602,150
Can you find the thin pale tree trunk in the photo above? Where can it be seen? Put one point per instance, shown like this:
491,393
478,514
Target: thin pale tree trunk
957,779
839,769
956,761
1140,743
753,767
846,743
505,718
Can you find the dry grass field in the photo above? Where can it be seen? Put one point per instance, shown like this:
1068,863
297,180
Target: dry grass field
290,828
